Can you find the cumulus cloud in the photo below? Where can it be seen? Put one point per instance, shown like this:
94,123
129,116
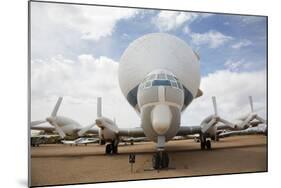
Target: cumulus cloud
61,28
231,90
212,38
86,19
80,82
237,65
171,20
251,19
241,44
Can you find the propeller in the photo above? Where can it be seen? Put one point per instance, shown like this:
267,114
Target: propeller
99,114
212,120
52,119
58,129
251,103
252,115
33,123
85,129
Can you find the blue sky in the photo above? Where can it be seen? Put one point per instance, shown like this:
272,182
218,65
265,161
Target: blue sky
75,50
251,29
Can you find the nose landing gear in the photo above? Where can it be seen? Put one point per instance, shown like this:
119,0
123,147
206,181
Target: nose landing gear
160,160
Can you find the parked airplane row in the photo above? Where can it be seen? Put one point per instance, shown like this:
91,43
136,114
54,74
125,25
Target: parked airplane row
159,75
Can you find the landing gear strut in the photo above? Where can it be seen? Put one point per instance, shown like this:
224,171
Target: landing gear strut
204,143
112,148
101,141
160,160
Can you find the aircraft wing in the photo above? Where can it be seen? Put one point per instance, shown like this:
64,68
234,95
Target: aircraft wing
134,139
187,130
80,141
138,131
249,131
47,128
132,132
91,130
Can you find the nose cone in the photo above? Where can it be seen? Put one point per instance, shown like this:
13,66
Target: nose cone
161,118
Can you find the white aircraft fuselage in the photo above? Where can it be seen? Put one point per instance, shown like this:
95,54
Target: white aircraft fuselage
159,74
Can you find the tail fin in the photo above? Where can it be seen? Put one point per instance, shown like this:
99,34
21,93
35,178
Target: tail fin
99,107
56,108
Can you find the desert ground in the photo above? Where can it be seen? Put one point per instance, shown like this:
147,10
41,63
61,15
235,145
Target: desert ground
57,164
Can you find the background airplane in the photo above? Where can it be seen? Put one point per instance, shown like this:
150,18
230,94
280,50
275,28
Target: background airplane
61,124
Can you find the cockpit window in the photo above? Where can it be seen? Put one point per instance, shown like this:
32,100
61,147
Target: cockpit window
170,77
148,84
161,76
161,83
174,84
161,79
151,77
179,85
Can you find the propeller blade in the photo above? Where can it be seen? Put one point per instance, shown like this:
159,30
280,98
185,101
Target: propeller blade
85,129
59,130
260,119
247,121
56,108
215,105
33,123
231,125
251,103
207,126
99,107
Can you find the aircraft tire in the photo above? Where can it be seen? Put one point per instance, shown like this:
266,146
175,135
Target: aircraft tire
156,161
108,148
208,144
202,145
114,149
165,160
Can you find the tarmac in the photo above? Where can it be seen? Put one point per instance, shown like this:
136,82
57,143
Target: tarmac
58,164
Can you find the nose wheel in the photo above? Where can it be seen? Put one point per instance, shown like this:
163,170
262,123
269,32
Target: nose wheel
160,160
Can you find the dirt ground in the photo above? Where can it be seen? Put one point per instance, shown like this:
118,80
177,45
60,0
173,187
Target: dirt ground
62,164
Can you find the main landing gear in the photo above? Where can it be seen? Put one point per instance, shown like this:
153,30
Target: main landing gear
205,143
112,148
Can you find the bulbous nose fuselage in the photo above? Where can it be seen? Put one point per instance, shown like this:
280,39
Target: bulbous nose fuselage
159,75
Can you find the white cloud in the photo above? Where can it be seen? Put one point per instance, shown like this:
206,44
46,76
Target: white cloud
211,38
72,29
241,44
80,82
231,90
251,19
92,22
237,65
171,20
